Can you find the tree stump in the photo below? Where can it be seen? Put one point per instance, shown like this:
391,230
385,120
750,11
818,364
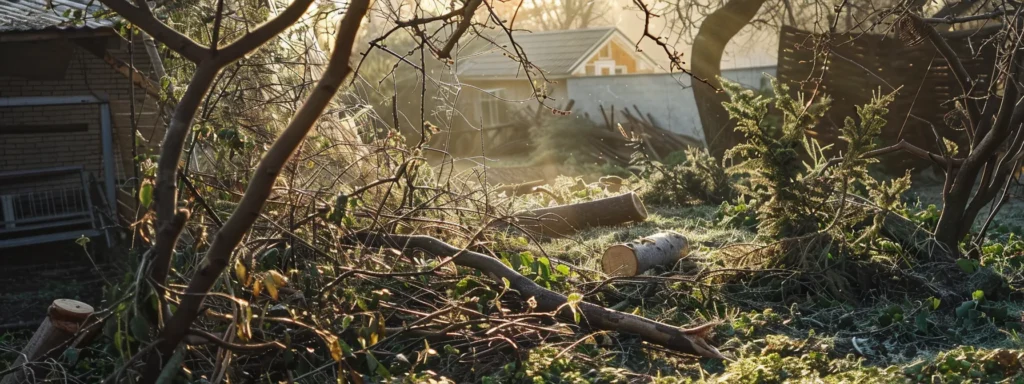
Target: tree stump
633,258
564,220
63,320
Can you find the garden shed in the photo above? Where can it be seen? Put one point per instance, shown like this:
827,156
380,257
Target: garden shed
77,103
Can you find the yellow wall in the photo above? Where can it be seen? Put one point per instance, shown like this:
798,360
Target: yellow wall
613,50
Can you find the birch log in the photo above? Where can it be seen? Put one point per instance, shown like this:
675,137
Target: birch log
633,258
62,322
564,220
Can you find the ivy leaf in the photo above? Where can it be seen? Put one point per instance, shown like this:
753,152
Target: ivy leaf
146,195
139,328
922,321
966,265
271,285
334,344
240,271
257,287
978,295
71,356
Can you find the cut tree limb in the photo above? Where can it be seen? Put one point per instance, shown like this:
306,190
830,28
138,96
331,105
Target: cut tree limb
636,257
62,322
521,188
689,341
564,220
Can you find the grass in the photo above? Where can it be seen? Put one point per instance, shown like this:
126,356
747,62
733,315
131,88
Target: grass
896,335
892,336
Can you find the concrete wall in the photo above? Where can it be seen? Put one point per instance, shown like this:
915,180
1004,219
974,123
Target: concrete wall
668,97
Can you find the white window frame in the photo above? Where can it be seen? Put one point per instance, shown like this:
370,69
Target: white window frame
492,108
601,65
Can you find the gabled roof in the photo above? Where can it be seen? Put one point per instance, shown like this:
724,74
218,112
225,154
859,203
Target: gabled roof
39,15
557,53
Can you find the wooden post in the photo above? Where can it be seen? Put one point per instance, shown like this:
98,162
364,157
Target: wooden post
62,322
565,220
633,258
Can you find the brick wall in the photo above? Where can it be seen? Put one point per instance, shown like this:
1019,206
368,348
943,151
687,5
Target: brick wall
86,74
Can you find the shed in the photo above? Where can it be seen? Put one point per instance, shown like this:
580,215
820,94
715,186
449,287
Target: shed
69,126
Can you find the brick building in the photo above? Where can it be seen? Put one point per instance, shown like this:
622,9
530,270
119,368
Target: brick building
66,122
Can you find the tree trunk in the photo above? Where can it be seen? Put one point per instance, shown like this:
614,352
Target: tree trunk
633,258
564,220
708,46
55,333
679,339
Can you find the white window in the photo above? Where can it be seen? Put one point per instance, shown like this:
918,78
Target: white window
620,69
493,107
606,51
604,67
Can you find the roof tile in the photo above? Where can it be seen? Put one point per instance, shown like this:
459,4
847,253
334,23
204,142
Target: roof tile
35,15
554,52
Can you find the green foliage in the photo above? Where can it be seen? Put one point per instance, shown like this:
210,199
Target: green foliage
969,364
539,269
550,365
696,178
784,360
741,213
772,157
979,311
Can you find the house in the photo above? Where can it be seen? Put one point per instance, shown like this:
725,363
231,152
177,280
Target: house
67,134
494,77
594,69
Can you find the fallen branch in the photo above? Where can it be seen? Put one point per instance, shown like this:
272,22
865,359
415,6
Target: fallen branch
689,341
203,337
564,220
636,257
521,188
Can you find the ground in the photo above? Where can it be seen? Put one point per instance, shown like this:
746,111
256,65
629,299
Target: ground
896,334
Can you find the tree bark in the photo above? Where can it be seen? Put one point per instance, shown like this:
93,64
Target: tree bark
564,220
679,339
248,209
636,257
708,47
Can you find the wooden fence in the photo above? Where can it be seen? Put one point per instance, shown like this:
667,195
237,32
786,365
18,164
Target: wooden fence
850,67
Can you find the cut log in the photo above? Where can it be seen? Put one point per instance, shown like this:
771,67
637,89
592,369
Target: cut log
676,338
636,257
521,188
564,220
62,322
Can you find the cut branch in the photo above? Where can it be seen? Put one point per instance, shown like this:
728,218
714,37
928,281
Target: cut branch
206,337
564,220
679,339
636,257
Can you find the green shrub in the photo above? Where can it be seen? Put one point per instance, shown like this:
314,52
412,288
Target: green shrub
696,178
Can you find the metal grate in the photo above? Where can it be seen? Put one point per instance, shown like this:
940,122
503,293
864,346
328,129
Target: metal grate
45,205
